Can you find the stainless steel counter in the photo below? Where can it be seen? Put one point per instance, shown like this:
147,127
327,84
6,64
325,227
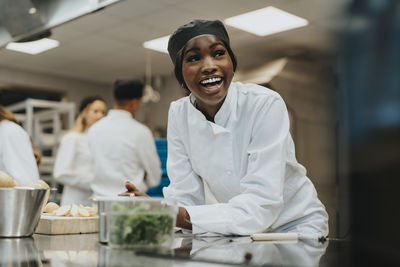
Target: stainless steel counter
85,250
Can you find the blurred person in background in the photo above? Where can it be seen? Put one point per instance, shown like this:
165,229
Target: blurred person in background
123,148
73,166
17,158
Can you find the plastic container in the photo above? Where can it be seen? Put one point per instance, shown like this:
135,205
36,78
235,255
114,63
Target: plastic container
138,222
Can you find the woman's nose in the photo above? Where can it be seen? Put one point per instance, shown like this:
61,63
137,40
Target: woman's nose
208,65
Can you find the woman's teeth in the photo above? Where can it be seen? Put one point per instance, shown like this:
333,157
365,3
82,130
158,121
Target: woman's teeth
210,80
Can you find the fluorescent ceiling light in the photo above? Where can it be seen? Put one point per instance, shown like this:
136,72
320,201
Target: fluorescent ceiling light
159,44
34,47
266,21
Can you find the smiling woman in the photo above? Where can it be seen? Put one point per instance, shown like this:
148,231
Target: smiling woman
231,158
208,71
206,60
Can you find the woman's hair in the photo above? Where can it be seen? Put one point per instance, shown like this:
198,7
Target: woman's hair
179,61
81,124
7,115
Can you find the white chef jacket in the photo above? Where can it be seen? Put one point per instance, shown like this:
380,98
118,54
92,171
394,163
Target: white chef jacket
16,153
123,149
247,158
73,168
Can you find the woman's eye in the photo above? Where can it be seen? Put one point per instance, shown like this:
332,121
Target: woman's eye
192,58
219,53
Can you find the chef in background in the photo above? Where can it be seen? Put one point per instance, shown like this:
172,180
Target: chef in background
16,153
73,167
123,148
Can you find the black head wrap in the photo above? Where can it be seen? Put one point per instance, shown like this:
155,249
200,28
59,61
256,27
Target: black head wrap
192,29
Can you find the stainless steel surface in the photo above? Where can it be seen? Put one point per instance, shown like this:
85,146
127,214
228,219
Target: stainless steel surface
19,252
20,210
188,250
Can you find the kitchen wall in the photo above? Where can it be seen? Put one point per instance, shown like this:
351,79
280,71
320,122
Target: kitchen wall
73,90
307,84
155,115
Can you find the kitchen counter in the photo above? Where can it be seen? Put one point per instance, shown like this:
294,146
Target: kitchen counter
85,250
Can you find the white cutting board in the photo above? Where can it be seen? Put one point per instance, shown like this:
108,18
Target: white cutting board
57,225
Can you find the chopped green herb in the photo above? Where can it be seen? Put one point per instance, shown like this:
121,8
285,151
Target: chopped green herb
140,225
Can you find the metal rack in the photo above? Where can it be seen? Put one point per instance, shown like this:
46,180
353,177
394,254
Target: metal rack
45,121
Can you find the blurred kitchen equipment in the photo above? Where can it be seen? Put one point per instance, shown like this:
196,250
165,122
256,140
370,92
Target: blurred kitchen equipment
149,93
20,210
28,20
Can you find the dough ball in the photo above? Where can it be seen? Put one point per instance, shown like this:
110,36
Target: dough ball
39,184
6,180
63,210
50,207
92,211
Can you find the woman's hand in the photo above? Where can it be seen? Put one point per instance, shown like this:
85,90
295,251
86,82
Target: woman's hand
183,219
131,190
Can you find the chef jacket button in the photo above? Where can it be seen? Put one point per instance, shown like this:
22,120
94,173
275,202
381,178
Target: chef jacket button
228,172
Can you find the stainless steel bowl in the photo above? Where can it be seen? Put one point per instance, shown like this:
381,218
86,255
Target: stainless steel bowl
20,210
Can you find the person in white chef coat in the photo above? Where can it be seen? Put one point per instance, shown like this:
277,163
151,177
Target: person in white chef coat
16,154
123,148
73,166
231,158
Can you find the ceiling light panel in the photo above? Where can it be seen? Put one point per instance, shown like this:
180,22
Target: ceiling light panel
266,21
35,47
159,44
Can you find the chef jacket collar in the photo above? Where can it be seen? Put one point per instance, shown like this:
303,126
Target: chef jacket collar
119,113
221,118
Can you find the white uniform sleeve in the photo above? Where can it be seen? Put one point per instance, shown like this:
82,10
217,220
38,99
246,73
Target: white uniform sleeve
261,199
65,167
149,158
186,188
19,159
